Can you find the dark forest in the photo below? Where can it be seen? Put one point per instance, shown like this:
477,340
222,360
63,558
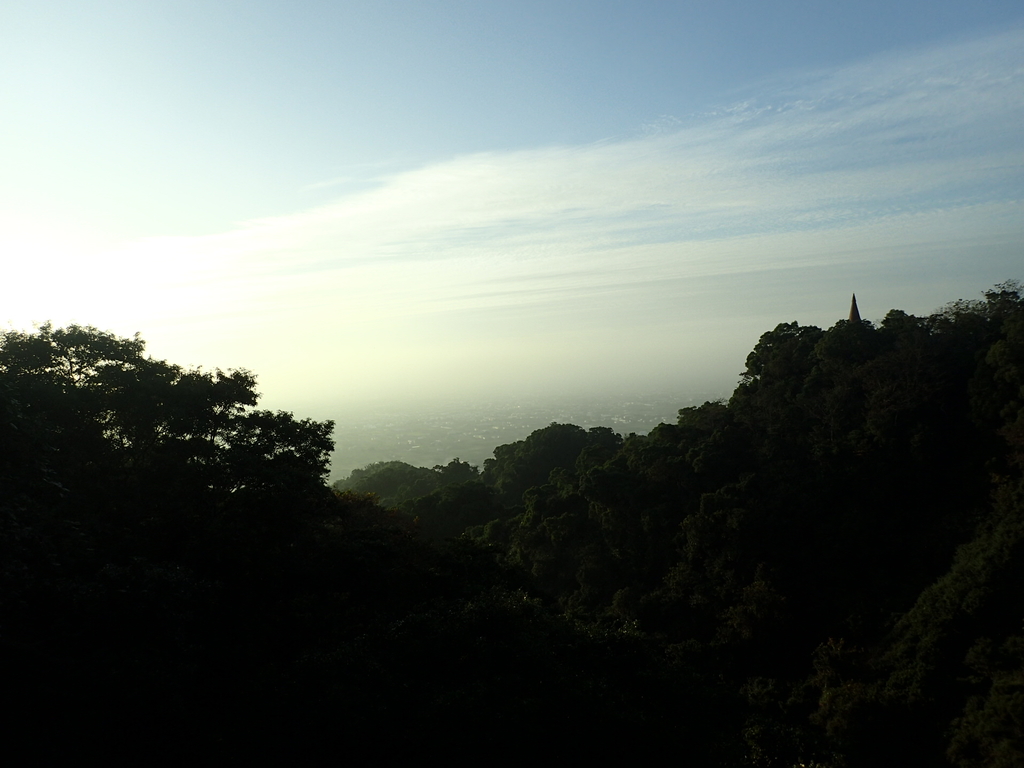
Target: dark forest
827,569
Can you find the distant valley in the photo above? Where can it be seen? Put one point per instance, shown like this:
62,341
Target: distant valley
471,431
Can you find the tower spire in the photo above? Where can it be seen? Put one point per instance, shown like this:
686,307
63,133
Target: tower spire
854,312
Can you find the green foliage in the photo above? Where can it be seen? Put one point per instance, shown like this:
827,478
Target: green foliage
990,732
828,496
517,467
824,570
451,509
396,482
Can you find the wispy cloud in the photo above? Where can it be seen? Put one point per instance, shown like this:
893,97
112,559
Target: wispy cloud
909,159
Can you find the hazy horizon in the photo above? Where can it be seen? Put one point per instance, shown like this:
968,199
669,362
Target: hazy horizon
474,202
439,431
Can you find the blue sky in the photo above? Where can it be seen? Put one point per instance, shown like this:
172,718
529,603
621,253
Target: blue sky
406,201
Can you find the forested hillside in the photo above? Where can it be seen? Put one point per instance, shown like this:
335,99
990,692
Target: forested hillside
827,569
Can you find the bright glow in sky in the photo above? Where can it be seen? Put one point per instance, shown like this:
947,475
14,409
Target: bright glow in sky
363,201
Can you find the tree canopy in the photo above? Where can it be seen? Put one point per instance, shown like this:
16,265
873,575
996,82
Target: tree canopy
825,569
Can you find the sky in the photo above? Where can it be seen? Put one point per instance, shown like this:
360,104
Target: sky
374,202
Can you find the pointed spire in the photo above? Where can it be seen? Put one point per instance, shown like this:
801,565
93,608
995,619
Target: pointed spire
854,312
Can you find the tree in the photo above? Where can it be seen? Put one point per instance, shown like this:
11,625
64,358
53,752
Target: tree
449,510
394,482
524,464
144,447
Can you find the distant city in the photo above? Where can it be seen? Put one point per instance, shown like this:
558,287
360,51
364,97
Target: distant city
471,431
